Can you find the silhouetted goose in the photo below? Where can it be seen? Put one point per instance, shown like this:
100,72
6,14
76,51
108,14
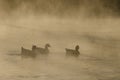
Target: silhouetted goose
71,52
43,50
27,52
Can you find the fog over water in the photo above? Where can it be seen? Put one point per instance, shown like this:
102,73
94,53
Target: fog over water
62,24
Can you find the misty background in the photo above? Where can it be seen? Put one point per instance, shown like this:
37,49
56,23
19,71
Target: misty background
60,8
91,24
41,21
63,23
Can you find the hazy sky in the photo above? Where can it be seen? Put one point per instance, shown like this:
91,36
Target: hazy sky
60,7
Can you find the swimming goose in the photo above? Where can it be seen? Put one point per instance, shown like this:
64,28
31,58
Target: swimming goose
27,52
45,50
71,52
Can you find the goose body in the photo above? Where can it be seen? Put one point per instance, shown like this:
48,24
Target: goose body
72,52
43,51
27,53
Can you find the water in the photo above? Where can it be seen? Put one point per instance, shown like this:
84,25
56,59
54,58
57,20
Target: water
99,47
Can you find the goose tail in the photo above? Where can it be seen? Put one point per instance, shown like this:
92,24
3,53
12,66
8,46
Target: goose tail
66,49
22,50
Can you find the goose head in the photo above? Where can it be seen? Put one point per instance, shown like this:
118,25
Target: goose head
47,45
34,47
77,48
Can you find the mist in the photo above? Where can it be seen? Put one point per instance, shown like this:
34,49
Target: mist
91,24
60,8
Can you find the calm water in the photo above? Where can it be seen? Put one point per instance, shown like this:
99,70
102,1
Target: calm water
99,46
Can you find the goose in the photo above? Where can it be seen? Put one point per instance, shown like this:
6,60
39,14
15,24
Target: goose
27,52
45,50
71,52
